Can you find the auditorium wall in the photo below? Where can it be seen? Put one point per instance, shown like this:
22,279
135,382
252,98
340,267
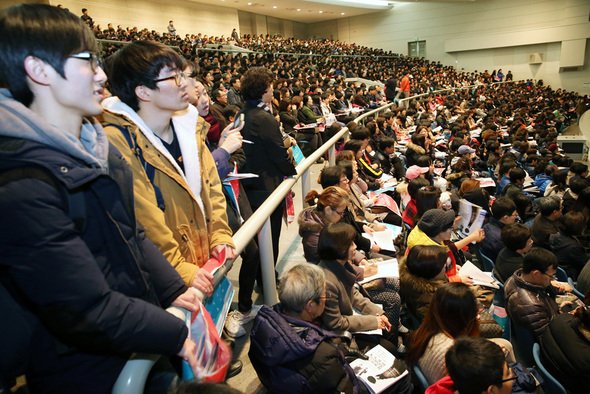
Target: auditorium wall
479,35
188,16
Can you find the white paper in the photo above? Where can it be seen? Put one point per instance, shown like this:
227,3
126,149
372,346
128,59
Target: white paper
478,276
384,239
380,371
385,269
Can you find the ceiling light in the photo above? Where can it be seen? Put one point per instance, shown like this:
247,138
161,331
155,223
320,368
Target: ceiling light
249,3
342,13
321,12
298,9
274,6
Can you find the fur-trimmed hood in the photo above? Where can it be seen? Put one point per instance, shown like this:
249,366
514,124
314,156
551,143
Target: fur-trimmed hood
310,220
415,148
416,283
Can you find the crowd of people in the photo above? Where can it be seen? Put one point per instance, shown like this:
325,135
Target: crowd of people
107,223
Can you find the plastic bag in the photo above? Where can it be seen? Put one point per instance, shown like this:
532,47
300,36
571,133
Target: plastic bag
213,354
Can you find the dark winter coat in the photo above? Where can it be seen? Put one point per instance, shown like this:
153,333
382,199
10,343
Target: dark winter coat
293,356
565,352
529,305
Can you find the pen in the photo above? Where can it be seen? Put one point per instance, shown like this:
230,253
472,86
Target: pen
244,141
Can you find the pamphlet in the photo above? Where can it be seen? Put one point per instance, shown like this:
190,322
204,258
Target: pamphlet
478,276
385,269
380,371
472,217
384,239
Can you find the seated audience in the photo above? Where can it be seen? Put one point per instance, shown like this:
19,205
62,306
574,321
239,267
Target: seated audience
517,240
546,221
565,349
453,312
503,213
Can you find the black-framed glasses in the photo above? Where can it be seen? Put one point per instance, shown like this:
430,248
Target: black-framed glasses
554,276
178,77
513,376
95,61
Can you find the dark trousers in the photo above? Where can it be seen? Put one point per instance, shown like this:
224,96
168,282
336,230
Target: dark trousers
250,255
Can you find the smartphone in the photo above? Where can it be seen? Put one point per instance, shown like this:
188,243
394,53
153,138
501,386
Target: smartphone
238,122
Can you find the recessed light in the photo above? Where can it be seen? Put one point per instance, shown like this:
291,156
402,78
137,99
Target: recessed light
342,13
249,3
274,6
298,9
321,12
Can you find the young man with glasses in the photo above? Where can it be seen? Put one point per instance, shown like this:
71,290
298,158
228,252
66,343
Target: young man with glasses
476,366
177,191
178,195
531,291
87,286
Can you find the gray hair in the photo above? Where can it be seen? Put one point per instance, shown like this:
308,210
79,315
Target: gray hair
301,284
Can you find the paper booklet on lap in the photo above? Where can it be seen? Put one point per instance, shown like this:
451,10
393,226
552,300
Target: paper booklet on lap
479,277
380,371
376,331
385,269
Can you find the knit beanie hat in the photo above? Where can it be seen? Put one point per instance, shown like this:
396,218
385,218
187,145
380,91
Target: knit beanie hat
434,221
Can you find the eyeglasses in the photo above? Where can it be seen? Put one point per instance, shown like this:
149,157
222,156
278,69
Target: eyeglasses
340,213
326,296
513,376
554,277
178,77
95,61
345,180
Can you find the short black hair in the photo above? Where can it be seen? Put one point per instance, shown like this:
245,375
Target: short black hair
360,133
386,142
578,168
548,205
330,176
539,259
578,184
474,364
353,145
230,110
415,185
503,206
573,223
517,174
48,33
255,82
515,236
139,64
